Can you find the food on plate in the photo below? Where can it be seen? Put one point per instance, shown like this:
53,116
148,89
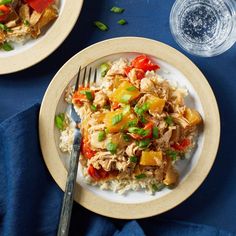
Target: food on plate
135,127
21,20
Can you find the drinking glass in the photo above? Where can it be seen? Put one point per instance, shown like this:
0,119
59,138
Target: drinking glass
204,27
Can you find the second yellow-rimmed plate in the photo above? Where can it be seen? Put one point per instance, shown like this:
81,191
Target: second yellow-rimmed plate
35,50
176,67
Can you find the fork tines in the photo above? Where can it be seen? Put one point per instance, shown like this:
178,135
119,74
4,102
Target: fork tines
87,80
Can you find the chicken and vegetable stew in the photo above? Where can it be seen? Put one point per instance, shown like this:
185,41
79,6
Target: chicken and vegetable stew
135,127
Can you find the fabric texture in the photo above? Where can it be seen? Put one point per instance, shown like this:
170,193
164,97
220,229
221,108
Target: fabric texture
30,200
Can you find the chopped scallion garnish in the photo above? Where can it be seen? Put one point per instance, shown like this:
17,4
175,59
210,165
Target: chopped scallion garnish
93,107
141,176
122,22
125,98
104,67
117,118
132,88
155,132
3,2
117,10
101,25
59,121
7,47
112,147
169,120
133,159
101,136
144,143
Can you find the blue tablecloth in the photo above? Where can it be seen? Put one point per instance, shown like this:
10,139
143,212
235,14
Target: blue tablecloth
215,201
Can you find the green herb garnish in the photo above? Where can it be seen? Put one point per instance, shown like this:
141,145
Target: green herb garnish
126,109
169,120
126,137
157,187
117,10
112,147
3,2
117,118
133,159
101,136
125,98
139,131
143,120
93,107
172,154
101,25
104,67
88,94
59,121
132,88
133,123
26,22
122,22
5,28
141,176
144,143
7,47
155,132
140,110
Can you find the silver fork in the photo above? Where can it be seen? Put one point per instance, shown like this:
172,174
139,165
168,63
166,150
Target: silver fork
64,223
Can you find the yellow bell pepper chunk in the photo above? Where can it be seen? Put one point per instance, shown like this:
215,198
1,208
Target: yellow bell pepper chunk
120,123
193,116
156,104
171,177
151,158
125,93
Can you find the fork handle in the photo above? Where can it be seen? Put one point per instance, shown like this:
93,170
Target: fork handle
64,223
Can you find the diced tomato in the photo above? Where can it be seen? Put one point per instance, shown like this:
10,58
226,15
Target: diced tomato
115,106
127,70
144,63
4,12
97,174
140,74
182,145
86,149
39,5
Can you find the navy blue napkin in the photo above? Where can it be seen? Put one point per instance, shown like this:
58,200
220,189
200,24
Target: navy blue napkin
30,200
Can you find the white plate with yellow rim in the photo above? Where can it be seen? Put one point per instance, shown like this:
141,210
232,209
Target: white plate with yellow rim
35,50
175,67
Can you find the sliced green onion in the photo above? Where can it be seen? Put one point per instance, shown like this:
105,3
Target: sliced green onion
133,123
88,94
122,22
141,176
169,120
101,136
117,10
126,137
143,120
59,121
5,28
112,147
132,88
3,2
157,187
104,67
117,118
172,154
7,47
125,98
155,132
140,110
93,107
126,109
26,22
133,159
136,130
144,143
101,25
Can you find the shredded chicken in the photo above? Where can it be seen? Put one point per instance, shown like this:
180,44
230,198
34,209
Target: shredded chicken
100,99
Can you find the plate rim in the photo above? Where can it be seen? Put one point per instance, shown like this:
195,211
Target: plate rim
211,134
42,49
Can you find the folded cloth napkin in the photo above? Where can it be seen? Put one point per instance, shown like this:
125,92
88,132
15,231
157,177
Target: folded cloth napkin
30,201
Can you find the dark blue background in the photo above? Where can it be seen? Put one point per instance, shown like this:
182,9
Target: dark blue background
215,202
